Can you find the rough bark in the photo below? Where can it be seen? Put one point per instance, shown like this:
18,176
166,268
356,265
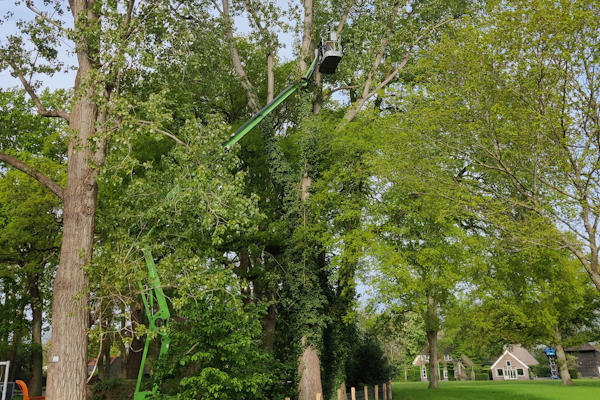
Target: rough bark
431,329
318,98
561,358
309,369
270,76
35,383
68,350
67,372
434,366
306,36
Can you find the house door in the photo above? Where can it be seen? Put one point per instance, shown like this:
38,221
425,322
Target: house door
510,373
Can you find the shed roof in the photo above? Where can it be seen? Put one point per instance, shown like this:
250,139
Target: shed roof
584,348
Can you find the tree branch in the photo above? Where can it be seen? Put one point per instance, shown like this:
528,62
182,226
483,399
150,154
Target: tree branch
337,89
36,100
235,56
270,51
344,17
367,93
34,173
44,16
175,138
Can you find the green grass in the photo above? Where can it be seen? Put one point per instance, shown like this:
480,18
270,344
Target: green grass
583,389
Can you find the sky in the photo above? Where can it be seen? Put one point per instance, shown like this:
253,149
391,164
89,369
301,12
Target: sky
66,80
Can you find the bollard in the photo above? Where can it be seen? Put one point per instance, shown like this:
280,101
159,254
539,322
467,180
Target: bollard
353,393
384,392
376,392
366,393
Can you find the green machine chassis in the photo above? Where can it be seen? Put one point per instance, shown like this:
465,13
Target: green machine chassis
155,302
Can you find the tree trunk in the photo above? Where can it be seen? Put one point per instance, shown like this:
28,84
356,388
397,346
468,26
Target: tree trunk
134,357
67,364
306,36
16,341
104,361
434,365
309,369
122,348
318,99
35,383
269,323
270,76
432,323
565,376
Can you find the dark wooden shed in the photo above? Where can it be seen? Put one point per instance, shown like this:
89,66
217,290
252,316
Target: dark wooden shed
588,359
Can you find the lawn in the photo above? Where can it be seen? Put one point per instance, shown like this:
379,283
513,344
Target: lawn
583,389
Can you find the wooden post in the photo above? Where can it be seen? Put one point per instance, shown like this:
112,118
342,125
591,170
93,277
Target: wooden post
376,392
287,398
353,393
319,396
384,392
366,393
340,394
390,390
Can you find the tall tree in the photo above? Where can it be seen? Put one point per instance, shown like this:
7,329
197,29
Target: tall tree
522,115
106,38
424,251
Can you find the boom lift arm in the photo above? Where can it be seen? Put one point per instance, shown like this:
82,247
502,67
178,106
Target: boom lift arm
266,110
155,297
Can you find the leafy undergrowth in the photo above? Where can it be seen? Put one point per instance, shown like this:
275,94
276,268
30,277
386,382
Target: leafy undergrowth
583,389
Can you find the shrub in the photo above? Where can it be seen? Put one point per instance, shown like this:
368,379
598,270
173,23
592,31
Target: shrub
216,351
367,364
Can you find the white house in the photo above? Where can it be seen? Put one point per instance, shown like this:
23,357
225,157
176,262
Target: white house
513,364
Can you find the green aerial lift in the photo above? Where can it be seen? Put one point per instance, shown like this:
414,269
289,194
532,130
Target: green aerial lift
327,58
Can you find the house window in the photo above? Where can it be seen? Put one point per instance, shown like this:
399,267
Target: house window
447,357
499,372
424,372
520,371
508,363
425,357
